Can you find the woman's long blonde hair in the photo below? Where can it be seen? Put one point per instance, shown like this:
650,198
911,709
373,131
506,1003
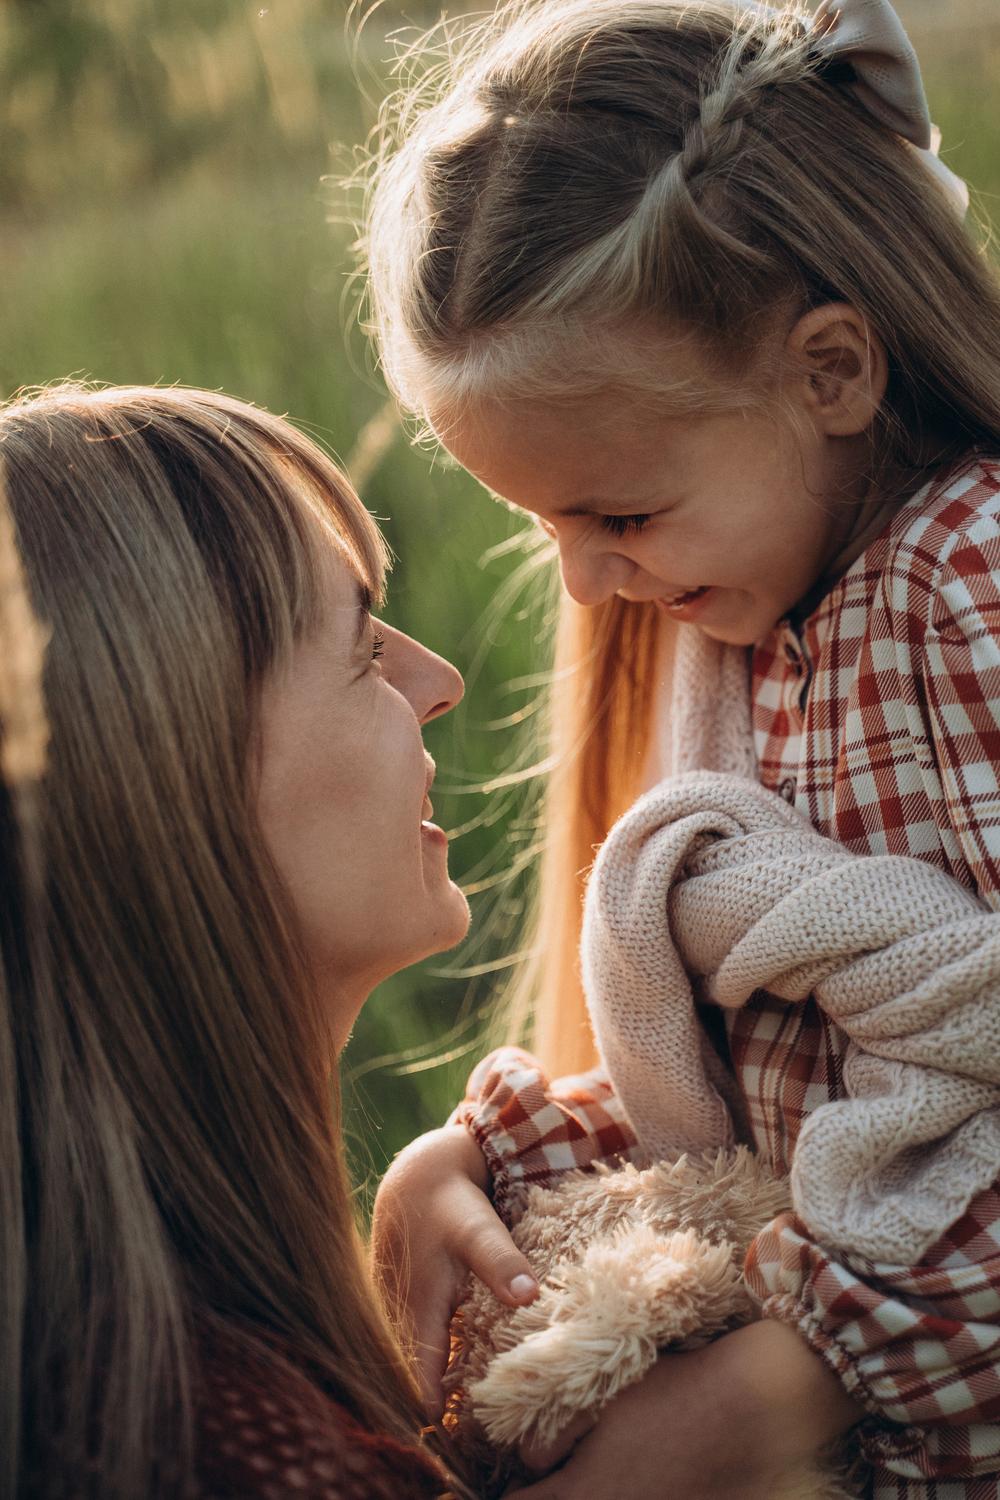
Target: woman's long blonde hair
171,1154
559,182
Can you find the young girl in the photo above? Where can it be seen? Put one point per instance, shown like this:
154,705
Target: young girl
209,759
684,282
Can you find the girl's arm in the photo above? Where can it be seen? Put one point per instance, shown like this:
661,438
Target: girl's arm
438,1211
917,1346
532,1130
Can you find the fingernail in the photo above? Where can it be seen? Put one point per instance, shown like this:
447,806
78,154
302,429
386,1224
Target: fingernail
523,1286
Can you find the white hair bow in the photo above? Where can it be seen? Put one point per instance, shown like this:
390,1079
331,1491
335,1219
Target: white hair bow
868,35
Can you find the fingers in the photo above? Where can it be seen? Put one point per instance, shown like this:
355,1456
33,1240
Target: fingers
430,1323
474,1241
419,1287
406,1236
480,1243
433,1224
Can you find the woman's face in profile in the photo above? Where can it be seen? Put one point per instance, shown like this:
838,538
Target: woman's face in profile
343,797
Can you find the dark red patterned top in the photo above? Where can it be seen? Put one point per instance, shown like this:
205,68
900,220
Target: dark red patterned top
265,1431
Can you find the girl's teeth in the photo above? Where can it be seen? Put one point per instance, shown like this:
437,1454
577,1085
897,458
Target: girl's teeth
679,599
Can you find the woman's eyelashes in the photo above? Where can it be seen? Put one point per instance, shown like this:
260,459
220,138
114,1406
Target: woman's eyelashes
624,525
378,645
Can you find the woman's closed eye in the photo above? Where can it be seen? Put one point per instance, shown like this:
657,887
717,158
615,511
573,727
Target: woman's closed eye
378,645
623,525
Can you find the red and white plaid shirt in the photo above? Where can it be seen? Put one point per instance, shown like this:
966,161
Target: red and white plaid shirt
879,716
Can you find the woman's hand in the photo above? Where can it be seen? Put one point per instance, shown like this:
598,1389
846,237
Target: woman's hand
726,1422
433,1224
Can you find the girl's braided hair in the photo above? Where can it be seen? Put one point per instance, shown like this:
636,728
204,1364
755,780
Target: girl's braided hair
684,191
579,169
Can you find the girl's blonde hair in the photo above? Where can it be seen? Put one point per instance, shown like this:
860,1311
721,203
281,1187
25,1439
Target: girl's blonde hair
171,1157
575,179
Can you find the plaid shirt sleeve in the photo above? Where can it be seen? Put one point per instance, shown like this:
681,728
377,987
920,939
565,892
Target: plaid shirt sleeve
960,669
917,1346
533,1130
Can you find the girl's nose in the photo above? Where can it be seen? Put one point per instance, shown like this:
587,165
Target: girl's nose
430,684
592,574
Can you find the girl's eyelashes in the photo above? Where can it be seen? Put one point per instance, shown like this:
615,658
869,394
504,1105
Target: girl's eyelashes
622,525
378,646
617,525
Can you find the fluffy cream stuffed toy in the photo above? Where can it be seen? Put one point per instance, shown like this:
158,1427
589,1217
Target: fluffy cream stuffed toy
630,1263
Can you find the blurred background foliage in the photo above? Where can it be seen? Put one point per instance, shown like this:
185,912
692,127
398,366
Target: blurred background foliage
166,218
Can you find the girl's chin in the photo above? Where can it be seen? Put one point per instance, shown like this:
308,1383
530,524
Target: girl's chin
731,637
731,624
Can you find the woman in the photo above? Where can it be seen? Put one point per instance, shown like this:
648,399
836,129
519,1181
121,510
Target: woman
217,855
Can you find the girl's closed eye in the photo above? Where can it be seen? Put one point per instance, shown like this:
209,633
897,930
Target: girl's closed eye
623,525
378,646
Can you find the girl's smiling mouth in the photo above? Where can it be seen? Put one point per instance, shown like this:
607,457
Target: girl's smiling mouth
680,603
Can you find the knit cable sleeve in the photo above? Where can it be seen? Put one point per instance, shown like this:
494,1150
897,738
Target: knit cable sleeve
917,1346
533,1130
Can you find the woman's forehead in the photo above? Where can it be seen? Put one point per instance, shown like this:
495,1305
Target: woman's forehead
342,533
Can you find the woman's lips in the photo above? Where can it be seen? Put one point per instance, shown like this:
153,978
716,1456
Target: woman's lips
431,830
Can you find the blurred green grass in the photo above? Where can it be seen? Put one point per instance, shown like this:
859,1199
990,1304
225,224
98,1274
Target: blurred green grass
161,171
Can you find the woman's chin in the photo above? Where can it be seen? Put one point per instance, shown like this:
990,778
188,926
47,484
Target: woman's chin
456,919
449,924
451,909
446,924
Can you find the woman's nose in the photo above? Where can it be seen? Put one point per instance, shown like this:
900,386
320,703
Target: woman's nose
592,574
429,683
444,687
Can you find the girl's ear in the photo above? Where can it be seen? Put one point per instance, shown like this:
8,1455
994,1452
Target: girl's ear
840,366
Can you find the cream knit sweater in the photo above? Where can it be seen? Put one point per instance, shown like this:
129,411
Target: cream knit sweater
711,888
